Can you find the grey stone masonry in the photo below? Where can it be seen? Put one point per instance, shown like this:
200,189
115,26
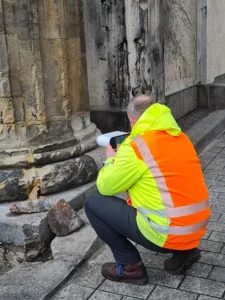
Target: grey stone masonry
204,281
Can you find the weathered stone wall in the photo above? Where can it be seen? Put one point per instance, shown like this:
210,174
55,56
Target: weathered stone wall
215,39
125,54
124,51
180,45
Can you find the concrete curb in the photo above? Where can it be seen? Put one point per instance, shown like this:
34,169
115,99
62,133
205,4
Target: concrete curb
205,131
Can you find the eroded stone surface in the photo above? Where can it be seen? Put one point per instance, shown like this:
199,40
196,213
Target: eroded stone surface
30,233
44,107
63,219
26,232
28,207
16,184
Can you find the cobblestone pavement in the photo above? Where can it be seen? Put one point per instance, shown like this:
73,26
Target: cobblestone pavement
206,279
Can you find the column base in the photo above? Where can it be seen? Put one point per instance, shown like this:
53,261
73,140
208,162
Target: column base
47,167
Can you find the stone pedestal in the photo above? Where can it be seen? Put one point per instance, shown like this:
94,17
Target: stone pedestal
45,127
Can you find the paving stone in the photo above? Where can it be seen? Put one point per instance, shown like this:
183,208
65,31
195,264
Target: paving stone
217,162
214,217
211,246
211,182
215,166
207,234
218,209
128,298
203,286
214,148
162,293
211,258
222,219
223,250
214,172
221,154
214,169
153,261
200,270
213,194
217,189
216,226
33,281
207,298
103,255
163,278
77,246
221,177
208,176
221,199
217,201
99,295
217,236
218,274
90,276
72,292
141,292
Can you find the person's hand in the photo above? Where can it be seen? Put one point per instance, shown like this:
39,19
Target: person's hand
110,152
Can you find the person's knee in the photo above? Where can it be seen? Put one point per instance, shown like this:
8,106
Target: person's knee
91,201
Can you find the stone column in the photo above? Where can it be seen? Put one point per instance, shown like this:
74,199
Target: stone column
45,126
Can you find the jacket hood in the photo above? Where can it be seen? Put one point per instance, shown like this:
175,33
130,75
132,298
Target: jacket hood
156,117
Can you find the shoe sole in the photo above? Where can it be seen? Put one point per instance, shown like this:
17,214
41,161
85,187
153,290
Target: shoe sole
186,266
141,281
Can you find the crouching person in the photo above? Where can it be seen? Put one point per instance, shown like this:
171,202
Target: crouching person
167,208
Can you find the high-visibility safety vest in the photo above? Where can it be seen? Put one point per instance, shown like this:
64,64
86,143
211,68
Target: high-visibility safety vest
184,210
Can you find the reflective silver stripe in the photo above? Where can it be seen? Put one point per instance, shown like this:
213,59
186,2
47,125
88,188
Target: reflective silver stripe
182,230
176,230
176,211
187,210
151,163
160,212
158,228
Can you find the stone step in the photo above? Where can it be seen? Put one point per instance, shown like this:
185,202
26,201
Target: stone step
34,281
187,122
206,130
76,247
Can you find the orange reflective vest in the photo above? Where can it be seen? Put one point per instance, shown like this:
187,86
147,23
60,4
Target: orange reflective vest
177,210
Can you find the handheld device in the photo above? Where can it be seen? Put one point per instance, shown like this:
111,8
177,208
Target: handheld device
118,140
114,138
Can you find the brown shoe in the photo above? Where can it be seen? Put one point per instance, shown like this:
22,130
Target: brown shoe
181,261
135,273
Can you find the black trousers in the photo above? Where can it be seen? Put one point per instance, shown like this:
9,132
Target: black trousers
115,222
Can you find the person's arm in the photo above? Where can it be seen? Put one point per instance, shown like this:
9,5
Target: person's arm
120,172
